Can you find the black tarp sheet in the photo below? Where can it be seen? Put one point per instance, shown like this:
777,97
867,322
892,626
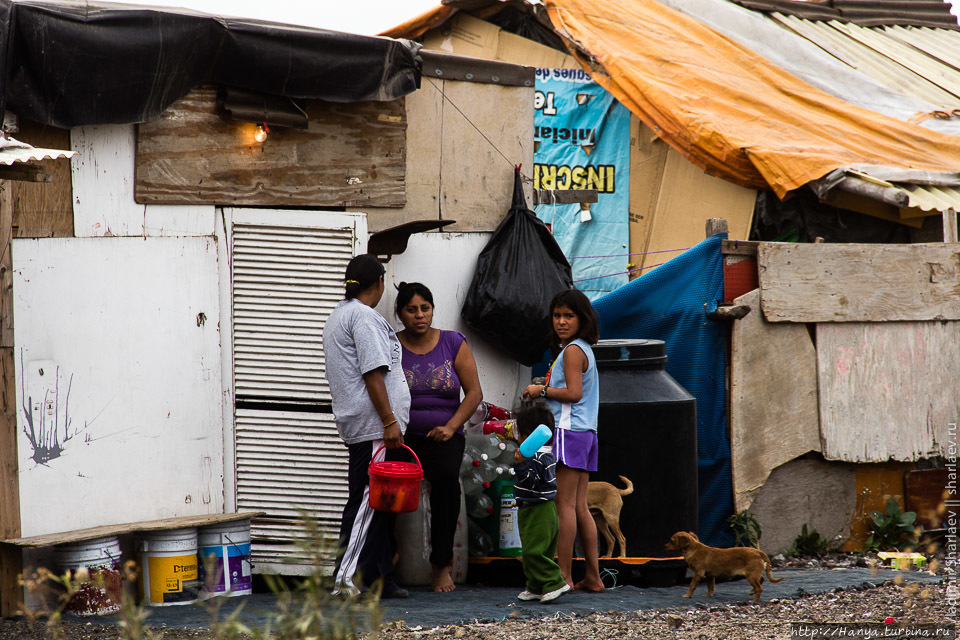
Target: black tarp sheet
77,64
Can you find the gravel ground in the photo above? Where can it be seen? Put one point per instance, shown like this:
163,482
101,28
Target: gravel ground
908,604
771,619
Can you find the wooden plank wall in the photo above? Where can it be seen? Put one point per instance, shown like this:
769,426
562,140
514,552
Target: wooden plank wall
478,172
671,199
876,484
461,150
648,158
10,557
460,155
888,390
44,209
351,155
773,398
859,282
27,210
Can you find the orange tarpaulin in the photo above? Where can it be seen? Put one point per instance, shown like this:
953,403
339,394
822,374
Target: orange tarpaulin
730,111
416,27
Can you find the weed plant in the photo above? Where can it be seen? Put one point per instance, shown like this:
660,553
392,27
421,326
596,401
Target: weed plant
811,543
892,529
305,608
746,528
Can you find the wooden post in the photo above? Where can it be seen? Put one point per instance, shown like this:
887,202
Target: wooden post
10,556
950,226
716,225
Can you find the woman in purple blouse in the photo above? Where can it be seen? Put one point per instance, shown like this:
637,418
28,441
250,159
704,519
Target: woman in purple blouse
437,365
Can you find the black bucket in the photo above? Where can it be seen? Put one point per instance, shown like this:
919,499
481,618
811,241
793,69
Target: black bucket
648,433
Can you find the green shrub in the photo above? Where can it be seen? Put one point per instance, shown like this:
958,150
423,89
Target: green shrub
746,528
810,543
891,530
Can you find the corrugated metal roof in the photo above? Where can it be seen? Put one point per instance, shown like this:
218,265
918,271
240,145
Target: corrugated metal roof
943,76
928,198
866,13
912,194
940,44
890,57
13,151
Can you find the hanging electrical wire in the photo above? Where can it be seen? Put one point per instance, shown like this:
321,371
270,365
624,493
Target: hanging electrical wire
620,273
618,255
446,98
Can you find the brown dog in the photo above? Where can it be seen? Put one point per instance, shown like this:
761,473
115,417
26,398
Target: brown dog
710,563
605,502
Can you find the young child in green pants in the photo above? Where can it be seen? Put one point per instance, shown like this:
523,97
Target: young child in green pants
534,488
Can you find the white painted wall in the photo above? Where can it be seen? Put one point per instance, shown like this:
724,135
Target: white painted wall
103,180
445,262
224,242
132,382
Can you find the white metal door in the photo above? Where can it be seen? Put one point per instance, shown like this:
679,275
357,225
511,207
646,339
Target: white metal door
287,276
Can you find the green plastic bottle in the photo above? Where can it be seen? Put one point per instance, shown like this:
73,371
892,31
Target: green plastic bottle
509,521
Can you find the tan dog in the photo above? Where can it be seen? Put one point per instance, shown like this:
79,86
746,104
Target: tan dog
605,502
710,563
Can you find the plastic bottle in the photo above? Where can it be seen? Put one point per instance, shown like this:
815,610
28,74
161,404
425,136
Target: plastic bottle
474,452
509,528
502,428
488,471
488,445
479,506
506,456
472,483
479,542
474,423
499,447
466,463
497,413
535,440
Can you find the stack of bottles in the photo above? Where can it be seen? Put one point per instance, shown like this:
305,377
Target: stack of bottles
486,475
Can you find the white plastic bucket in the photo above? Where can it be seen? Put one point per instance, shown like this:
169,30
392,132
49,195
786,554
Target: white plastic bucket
168,567
100,592
225,559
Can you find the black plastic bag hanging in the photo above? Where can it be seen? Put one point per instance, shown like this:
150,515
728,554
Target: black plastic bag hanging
518,273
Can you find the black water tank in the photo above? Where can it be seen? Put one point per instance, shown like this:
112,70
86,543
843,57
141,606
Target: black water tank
647,433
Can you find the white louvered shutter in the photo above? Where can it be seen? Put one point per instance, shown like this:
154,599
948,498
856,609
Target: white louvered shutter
287,276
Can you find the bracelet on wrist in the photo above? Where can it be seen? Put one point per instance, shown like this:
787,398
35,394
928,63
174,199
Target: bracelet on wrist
388,424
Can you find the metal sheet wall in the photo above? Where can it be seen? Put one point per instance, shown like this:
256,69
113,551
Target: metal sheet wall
288,462
286,281
287,276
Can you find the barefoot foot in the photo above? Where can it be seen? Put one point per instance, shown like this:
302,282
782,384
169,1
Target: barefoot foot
442,582
591,586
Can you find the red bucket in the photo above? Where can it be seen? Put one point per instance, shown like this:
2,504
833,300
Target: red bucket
395,486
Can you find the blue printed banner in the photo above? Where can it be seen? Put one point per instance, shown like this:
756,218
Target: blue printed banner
582,141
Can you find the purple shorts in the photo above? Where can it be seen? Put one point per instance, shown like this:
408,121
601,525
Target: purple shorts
576,449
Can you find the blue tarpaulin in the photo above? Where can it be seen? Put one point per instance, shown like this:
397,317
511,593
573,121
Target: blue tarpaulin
670,304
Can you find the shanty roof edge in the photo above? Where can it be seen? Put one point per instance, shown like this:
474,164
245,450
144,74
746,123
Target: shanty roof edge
13,151
875,13
761,126
78,64
730,111
922,191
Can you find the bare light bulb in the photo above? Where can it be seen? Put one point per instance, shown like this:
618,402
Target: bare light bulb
261,133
